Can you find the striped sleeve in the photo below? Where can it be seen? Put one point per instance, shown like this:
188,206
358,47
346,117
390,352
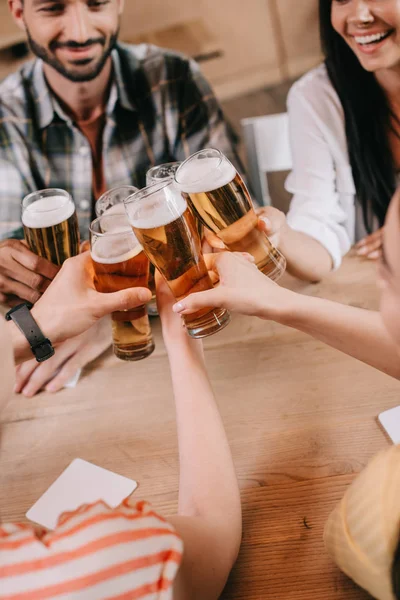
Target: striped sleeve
96,552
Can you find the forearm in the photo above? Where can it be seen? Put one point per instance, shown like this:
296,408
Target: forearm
354,331
208,484
306,258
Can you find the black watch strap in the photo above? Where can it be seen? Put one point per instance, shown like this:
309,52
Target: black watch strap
40,345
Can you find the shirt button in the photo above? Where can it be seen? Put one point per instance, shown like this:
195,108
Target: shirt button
84,205
84,150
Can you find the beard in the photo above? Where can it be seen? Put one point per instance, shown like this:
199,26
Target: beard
76,73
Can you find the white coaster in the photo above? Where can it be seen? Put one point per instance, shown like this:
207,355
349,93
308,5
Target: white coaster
390,421
80,483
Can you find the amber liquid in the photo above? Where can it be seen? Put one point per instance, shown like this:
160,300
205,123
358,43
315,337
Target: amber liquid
229,213
176,250
56,243
131,329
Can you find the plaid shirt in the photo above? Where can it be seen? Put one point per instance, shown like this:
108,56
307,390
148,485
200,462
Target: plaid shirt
160,109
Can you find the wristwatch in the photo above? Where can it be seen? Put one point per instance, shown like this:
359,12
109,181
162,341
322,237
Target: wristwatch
40,345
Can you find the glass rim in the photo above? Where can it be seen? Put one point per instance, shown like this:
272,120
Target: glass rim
59,192
148,191
129,230
115,188
168,164
191,157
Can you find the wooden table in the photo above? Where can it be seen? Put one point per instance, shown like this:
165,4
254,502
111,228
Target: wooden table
301,420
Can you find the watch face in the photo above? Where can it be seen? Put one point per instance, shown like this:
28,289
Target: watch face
43,351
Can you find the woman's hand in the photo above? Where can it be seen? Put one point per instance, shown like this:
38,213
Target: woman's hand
273,223
242,288
174,331
371,246
270,220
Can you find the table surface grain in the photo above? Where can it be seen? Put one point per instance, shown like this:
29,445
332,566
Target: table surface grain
300,417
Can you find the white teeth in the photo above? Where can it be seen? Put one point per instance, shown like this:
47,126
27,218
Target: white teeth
368,39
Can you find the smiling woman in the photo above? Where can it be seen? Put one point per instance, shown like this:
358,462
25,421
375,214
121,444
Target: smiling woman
345,135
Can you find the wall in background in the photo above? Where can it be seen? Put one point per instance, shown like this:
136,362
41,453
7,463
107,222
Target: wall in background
242,45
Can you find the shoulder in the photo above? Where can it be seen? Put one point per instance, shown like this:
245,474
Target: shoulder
154,60
16,106
130,545
315,90
314,100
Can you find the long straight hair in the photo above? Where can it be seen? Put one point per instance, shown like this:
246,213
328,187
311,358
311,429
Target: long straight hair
368,120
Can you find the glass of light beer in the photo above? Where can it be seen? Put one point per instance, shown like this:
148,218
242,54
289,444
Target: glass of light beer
51,225
158,174
166,229
113,200
220,199
167,172
161,173
120,263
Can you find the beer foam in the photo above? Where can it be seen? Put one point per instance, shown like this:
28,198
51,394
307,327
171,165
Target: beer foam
205,175
47,212
110,251
155,210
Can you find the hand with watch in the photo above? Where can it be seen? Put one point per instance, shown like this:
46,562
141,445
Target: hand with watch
69,307
40,345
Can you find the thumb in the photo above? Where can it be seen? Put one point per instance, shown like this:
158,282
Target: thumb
265,225
124,299
213,240
210,298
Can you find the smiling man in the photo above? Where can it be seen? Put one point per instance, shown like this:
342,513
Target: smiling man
88,114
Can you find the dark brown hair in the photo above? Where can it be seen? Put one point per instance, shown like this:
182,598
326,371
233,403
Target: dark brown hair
368,119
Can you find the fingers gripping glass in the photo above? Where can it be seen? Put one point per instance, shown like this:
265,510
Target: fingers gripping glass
166,229
220,199
120,263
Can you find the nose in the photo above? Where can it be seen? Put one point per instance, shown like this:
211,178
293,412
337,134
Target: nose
77,26
361,13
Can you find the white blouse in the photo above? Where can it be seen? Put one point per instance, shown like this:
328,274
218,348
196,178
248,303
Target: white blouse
324,202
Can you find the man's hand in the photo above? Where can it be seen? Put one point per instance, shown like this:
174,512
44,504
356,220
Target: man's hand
70,356
71,305
23,274
371,246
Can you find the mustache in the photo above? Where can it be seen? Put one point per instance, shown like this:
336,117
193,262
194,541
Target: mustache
77,45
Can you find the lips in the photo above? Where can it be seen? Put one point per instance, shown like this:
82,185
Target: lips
371,43
366,40
78,54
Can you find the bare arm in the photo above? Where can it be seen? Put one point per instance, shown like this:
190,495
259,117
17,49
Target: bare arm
209,515
307,259
355,331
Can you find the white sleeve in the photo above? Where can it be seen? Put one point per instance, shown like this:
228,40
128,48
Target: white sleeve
315,208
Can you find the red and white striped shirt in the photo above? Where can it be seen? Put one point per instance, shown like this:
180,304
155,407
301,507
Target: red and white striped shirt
95,553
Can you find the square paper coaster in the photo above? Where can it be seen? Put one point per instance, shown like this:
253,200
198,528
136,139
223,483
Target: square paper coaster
80,483
390,421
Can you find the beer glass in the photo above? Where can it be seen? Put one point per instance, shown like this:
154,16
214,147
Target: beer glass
120,263
158,174
51,225
166,229
113,200
161,173
220,199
